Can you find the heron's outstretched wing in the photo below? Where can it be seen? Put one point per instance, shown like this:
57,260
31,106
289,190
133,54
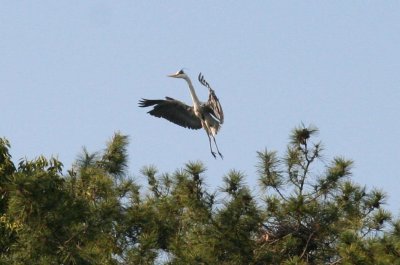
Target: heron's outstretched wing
213,103
173,110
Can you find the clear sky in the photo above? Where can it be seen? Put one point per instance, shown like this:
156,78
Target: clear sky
72,72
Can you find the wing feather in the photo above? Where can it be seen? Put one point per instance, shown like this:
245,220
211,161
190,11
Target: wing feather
174,111
213,103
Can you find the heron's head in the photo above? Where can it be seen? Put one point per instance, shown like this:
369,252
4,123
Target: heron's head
179,74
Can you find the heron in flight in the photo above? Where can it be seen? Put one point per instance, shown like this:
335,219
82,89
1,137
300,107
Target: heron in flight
207,115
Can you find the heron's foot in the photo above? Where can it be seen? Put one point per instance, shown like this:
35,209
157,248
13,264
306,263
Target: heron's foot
221,155
213,153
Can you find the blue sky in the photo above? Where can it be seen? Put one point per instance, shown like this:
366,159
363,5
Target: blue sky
72,72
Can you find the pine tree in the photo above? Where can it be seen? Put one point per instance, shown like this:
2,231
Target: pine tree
313,217
309,211
7,226
78,218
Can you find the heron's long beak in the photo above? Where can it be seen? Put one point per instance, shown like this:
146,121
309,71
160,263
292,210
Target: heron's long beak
173,75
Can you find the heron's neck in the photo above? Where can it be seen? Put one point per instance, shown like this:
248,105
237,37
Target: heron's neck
195,99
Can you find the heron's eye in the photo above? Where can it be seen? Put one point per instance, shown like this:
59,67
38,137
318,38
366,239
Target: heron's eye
180,72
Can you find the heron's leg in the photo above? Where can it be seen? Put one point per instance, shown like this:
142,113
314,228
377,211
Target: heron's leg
207,129
209,140
217,147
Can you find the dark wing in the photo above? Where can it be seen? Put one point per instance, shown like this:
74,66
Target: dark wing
213,102
173,110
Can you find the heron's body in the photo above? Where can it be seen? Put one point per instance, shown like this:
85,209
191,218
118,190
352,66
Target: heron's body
207,115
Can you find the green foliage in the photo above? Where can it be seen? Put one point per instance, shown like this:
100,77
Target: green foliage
307,212
7,226
78,218
310,216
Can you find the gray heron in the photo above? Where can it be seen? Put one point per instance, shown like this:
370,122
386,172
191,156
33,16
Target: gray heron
207,115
